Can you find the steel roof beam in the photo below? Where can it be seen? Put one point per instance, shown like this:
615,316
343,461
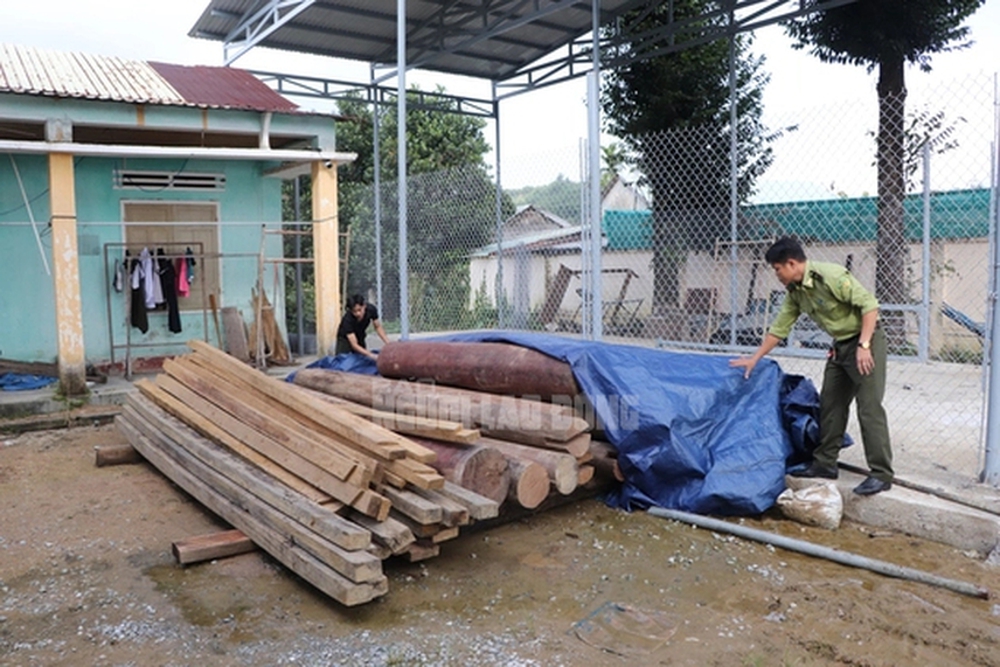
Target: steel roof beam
670,38
334,89
256,27
495,22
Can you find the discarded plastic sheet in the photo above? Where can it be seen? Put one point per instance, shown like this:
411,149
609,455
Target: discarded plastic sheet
625,630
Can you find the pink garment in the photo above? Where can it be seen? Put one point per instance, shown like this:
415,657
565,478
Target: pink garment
183,286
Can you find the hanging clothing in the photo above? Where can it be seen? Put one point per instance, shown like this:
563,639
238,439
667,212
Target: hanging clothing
137,298
157,279
183,284
169,287
189,258
119,278
146,274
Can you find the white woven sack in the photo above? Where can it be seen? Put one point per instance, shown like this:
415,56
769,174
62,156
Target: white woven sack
812,502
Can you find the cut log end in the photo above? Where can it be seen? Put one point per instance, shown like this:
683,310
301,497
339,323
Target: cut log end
529,483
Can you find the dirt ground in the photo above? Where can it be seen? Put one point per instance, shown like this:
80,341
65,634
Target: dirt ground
86,578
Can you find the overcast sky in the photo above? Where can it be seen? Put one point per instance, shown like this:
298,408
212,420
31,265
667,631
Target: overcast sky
540,130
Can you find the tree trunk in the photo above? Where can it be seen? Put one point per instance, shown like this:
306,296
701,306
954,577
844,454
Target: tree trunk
891,249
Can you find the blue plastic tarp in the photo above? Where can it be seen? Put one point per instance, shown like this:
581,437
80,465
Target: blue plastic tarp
346,361
24,381
691,432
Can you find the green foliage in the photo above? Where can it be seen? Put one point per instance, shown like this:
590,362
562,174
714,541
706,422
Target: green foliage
484,315
876,32
673,112
451,207
561,196
615,157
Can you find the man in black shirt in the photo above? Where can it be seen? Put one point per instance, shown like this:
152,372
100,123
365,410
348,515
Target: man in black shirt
354,325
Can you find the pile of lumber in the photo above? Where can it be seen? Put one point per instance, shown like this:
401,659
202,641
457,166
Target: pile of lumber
337,472
324,491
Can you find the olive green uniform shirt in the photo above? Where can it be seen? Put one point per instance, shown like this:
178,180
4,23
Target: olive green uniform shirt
830,296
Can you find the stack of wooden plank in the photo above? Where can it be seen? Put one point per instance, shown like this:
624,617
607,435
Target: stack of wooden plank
325,491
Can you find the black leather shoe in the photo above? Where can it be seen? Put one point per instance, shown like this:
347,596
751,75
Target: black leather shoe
871,486
816,470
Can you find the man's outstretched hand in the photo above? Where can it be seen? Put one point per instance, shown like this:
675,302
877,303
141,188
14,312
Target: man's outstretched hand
746,363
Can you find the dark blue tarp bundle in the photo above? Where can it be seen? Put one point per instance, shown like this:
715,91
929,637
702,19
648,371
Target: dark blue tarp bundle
24,381
691,432
346,361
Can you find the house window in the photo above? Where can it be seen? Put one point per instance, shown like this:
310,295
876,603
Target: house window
175,226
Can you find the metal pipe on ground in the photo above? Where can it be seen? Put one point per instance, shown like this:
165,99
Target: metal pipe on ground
819,551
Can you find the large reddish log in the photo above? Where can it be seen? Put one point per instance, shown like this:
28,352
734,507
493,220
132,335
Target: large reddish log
489,412
498,368
562,468
476,468
529,482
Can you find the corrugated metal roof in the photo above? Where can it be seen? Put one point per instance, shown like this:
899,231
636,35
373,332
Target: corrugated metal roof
491,40
41,72
222,87
32,71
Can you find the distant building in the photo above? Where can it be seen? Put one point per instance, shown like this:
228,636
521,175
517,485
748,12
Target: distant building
837,230
529,220
621,196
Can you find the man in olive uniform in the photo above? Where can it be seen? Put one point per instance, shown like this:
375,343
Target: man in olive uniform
855,369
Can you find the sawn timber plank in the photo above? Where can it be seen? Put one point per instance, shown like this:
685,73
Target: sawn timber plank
295,558
364,434
321,518
359,566
369,469
211,546
330,459
219,435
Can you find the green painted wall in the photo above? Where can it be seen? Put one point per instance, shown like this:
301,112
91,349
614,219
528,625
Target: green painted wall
27,301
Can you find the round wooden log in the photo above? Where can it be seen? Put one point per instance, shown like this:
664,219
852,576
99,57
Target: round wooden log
562,468
487,411
113,455
529,482
498,368
605,460
476,468
585,474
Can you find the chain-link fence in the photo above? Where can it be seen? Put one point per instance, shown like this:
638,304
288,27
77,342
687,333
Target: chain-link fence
910,212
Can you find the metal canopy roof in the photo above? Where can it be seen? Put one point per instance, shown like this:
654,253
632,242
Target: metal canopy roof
518,44
489,39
